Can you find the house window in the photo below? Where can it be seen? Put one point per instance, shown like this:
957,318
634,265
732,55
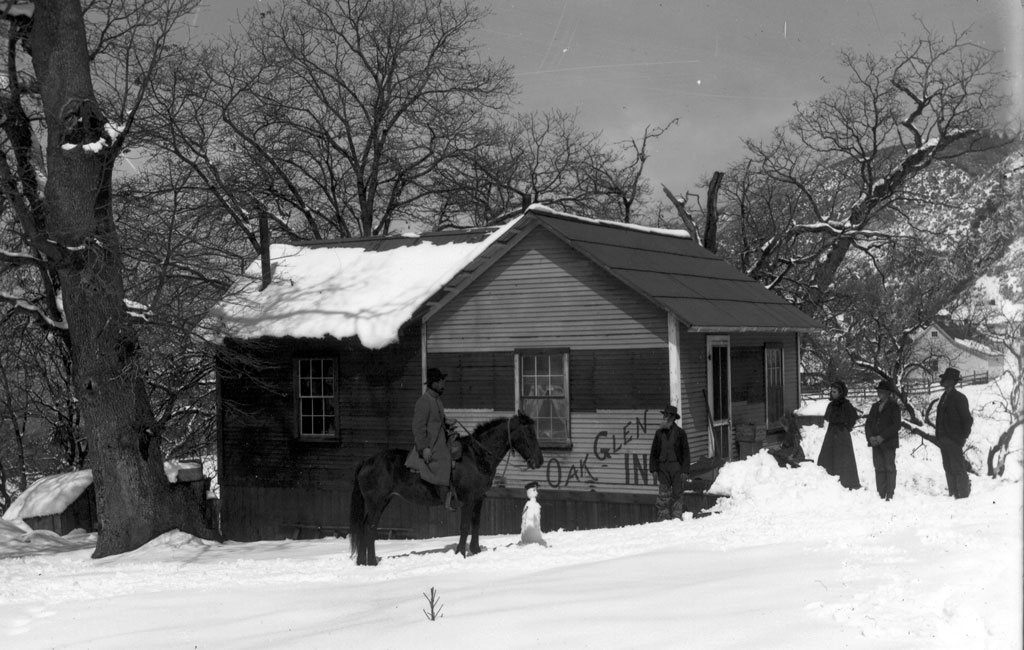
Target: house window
542,392
773,383
316,397
935,334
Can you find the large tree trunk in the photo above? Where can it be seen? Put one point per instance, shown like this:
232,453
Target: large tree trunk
711,230
135,502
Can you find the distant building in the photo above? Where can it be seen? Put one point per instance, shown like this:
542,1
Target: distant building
943,344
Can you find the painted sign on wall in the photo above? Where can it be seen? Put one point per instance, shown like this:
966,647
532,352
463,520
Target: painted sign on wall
616,457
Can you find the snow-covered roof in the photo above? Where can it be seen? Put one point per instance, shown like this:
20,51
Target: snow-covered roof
369,288
51,495
968,345
357,288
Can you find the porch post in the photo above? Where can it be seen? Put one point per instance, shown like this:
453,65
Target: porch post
675,371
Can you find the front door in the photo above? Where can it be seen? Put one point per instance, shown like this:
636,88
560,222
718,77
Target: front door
719,397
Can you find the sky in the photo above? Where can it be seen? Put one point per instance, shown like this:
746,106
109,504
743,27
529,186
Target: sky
790,560
727,69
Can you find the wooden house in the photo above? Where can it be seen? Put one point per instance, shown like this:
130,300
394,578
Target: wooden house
592,327
941,345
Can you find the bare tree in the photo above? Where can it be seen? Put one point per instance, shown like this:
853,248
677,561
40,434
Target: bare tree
181,256
531,158
618,176
71,240
547,157
708,235
1003,304
333,116
846,162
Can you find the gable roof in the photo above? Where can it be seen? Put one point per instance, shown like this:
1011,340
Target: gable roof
702,290
370,287
950,332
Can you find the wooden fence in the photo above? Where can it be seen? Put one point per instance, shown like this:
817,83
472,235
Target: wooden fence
865,389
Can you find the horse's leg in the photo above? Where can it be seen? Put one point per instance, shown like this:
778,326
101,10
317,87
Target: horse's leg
358,517
374,513
464,526
474,544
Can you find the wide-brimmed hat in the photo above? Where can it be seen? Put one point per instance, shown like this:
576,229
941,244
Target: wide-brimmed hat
435,374
671,411
950,373
885,384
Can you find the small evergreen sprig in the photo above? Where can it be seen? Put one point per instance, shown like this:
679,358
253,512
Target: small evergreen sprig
435,606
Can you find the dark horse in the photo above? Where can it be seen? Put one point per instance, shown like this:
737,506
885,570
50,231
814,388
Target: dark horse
383,476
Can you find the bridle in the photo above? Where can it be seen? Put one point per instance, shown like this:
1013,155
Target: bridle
488,452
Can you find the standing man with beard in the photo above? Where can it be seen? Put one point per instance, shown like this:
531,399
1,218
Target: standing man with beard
430,432
670,463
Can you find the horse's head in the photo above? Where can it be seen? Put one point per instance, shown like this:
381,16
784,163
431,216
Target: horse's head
523,432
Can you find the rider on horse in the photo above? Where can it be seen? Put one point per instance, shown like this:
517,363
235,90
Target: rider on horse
430,430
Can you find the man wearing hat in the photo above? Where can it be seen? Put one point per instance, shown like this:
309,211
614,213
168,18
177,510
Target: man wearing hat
433,458
882,429
953,421
670,462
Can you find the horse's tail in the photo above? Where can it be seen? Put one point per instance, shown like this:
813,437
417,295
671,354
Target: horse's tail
357,515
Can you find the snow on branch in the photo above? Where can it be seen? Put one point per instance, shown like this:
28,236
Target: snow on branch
18,302
18,259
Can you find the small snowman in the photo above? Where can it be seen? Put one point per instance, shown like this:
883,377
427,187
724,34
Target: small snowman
531,533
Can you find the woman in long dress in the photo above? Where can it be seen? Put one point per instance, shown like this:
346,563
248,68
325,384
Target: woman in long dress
836,454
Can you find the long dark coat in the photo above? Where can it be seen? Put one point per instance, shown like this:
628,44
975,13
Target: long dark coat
836,454
670,447
953,417
429,431
953,422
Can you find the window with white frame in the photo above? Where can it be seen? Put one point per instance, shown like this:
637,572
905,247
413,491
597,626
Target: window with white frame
542,392
316,396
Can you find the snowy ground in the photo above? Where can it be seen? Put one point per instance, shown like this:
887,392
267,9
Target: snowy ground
790,561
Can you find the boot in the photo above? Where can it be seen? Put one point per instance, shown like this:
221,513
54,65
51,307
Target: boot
451,502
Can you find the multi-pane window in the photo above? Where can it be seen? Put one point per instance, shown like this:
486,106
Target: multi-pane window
316,397
543,393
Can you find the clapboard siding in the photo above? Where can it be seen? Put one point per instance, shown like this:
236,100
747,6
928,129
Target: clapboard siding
544,294
606,379
477,380
268,477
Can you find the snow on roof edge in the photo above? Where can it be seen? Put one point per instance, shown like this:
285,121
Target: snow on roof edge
343,310
540,208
